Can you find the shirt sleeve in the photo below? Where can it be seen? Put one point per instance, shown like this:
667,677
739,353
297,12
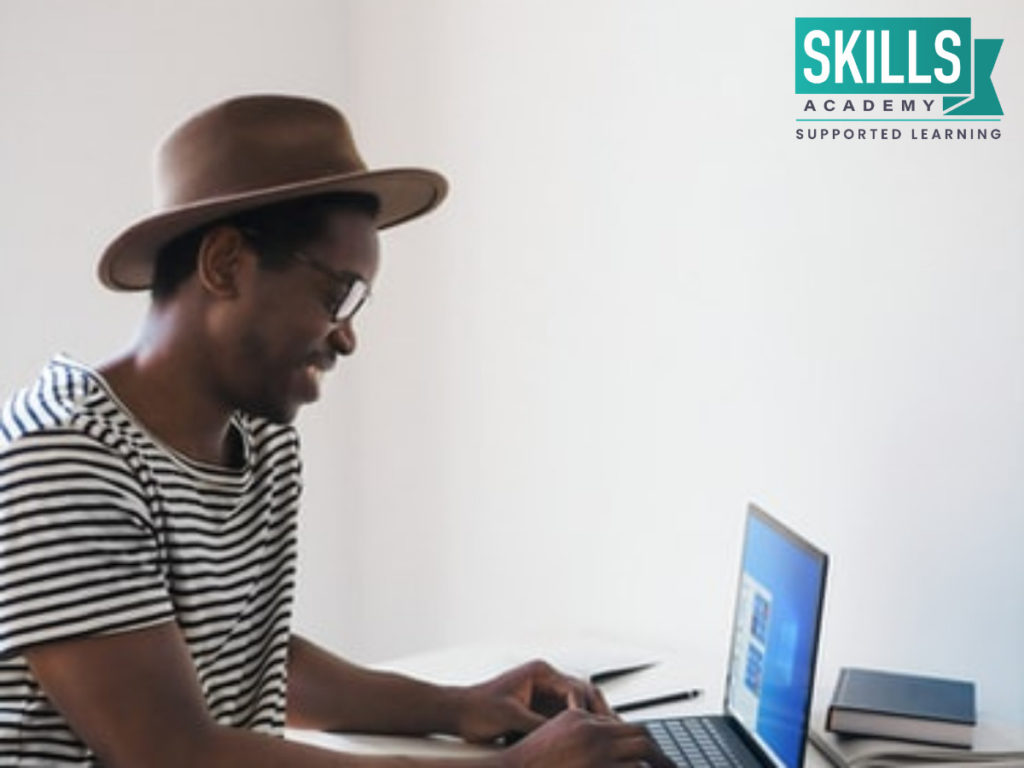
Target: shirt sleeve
78,551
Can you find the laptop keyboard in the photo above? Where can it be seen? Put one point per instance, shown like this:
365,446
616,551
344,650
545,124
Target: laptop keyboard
697,741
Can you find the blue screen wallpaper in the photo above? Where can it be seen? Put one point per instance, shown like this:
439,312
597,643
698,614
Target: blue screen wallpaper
775,638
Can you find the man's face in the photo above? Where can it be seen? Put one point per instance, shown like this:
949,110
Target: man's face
285,335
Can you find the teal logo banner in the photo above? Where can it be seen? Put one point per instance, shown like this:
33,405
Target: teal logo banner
929,57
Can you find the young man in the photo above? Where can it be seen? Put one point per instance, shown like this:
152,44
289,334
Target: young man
147,506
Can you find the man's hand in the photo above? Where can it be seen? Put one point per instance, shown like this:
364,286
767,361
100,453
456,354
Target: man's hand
578,739
568,722
522,700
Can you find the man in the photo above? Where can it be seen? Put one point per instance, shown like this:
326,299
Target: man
147,506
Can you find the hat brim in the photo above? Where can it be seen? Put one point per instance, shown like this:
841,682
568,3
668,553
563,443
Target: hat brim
404,194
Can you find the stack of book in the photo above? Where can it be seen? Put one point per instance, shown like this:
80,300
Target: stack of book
892,719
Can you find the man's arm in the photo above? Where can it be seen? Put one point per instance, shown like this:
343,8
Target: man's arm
134,699
328,693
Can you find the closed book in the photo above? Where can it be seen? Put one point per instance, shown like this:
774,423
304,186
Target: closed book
933,710
997,744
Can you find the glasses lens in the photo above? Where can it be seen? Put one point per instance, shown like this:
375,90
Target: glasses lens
357,294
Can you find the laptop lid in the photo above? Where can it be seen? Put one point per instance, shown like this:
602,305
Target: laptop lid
774,645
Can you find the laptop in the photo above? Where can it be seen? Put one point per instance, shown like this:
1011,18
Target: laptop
774,648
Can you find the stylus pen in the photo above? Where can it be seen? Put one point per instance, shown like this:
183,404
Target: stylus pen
629,706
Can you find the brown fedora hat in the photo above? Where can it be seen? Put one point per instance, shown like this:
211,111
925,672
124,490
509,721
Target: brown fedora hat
252,151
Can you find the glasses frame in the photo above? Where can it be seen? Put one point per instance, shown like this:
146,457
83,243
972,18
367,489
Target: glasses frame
357,290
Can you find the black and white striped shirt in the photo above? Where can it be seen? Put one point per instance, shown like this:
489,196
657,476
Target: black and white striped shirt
103,529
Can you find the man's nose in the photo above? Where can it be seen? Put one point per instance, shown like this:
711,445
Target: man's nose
343,338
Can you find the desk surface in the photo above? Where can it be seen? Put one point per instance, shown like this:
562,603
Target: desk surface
471,664
443,747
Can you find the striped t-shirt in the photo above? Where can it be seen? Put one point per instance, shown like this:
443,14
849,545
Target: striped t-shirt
103,529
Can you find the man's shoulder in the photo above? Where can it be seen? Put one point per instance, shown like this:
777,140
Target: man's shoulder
62,399
59,439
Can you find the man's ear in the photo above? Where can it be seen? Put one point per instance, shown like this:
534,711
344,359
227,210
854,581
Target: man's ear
221,257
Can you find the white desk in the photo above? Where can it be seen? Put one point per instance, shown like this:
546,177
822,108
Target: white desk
474,663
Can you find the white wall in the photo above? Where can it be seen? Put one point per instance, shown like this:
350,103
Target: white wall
644,304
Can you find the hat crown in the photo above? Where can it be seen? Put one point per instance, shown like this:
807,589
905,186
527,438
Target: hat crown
253,151
252,143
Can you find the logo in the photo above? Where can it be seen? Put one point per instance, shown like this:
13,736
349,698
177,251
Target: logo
895,79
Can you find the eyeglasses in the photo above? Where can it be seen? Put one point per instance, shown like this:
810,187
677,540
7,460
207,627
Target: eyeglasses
356,290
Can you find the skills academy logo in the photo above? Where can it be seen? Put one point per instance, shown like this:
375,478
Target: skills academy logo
895,79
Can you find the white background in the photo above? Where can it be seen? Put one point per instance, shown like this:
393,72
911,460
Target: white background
644,304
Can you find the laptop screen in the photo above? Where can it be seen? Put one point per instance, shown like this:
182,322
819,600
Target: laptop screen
775,637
